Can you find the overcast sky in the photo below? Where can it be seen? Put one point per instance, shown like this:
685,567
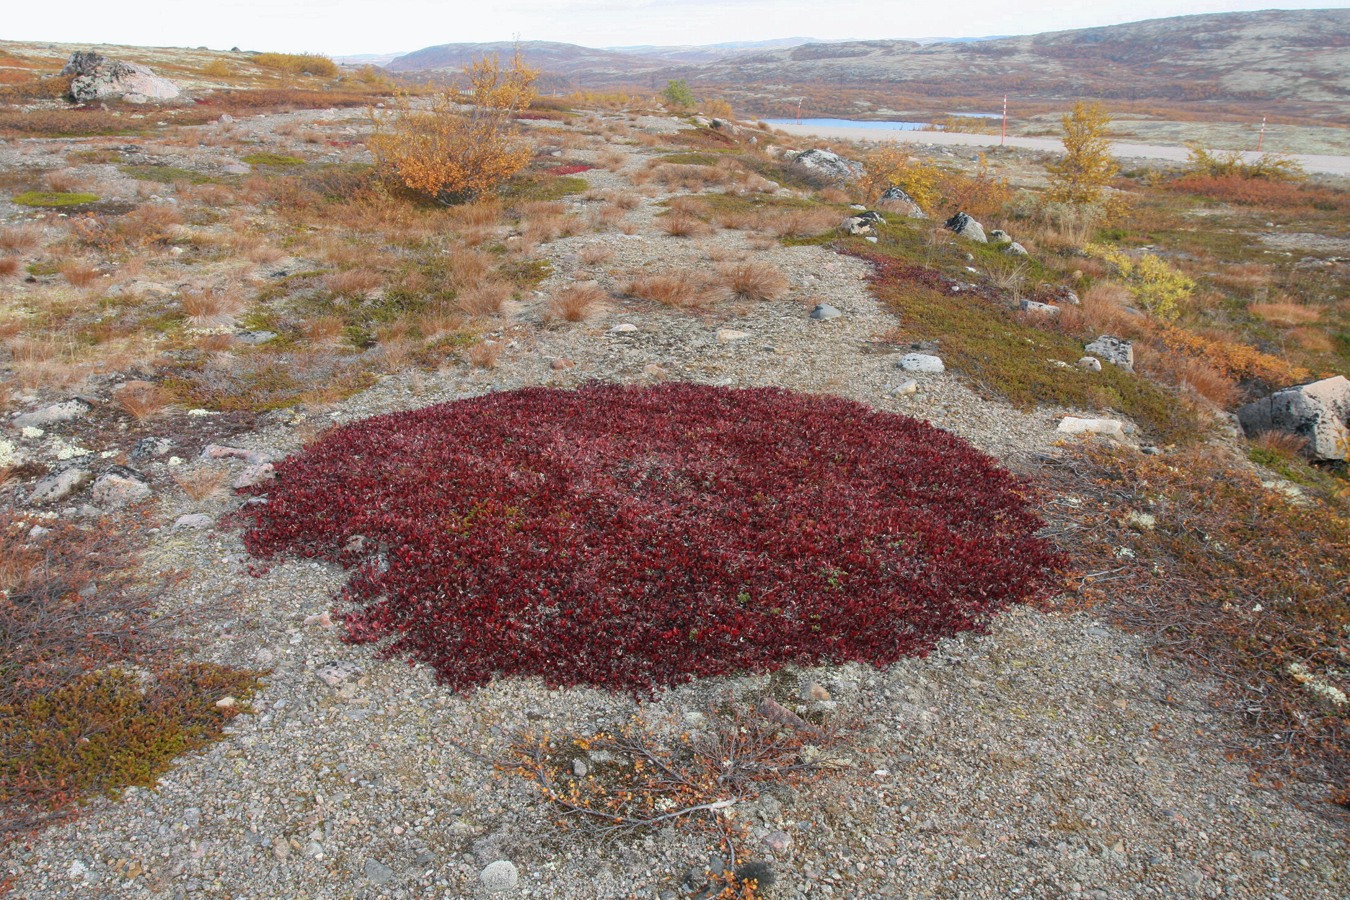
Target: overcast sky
361,26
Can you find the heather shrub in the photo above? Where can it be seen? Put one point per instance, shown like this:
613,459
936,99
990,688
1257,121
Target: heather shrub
635,537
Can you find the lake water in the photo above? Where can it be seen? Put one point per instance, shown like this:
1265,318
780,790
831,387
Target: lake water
853,123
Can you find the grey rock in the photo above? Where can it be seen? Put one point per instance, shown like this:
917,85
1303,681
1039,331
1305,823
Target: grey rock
579,768
897,200
236,169
150,447
922,363
966,227
828,165
499,876
824,311
623,328
1318,412
255,338
906,388
1107,428
856,226
59,485
120,487
1091,363
1114,350
65,411
337,673
194,521
999,236
96,77
1045,309
1016,249
377,872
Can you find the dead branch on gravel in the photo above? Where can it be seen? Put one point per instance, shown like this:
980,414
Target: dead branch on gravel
651,774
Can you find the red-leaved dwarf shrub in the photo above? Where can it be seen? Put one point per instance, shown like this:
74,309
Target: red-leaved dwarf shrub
635,537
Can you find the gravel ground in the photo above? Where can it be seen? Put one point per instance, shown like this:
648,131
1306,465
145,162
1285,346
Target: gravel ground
1053,757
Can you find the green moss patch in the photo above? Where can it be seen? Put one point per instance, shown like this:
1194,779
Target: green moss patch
54,199
277,160
165,174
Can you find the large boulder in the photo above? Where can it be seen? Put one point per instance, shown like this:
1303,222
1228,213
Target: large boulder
895,199
967,228
827,165
1317,412
96,77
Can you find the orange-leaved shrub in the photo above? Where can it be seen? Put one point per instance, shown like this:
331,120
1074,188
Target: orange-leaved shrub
458,146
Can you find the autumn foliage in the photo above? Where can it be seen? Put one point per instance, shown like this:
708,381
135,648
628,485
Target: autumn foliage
632,537
1087,167
457,145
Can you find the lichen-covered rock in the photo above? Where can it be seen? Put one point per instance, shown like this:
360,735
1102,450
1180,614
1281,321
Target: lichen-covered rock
120,487
96,77
827,165
967,228
897,200
1318,412
1114,350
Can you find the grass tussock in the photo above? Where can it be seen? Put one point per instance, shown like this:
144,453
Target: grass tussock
575,302
678,289
754,281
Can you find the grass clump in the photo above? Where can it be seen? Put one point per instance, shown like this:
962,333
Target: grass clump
297,63
165,174
54,199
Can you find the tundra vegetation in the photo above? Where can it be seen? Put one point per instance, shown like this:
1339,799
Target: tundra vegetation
311,250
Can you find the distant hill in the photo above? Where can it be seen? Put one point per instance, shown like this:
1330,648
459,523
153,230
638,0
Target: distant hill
1300,57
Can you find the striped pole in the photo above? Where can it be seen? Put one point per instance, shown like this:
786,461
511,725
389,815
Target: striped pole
1004,135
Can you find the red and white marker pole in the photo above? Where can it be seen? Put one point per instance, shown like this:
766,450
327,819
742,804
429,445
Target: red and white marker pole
1261,136
1003,136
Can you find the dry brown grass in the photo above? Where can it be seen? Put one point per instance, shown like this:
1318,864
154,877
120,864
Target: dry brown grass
678,289
1285,312
465,267
20,238
9,265
1281,444
799,222
203,482
325,329
754,281
481,214
484,299
596,255
681,224
78,272
627,200
211,308
64,181
353,282
263,254
142,400
485,355
576,302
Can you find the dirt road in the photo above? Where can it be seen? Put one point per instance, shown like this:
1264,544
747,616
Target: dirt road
1323,165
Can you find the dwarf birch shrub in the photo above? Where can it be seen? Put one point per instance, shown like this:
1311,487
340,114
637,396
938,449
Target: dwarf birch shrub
1157,286
1087,167
461,145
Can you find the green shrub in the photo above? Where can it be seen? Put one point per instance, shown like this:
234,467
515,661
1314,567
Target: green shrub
1157,286
273,159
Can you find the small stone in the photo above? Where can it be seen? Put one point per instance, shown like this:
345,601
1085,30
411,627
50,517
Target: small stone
377,872
730,335
52,415
499,876
337,673
778,841
923,363
226,703
814,691
825,311
870,240
907,388
560,363
175,460
120,487
623,328
256,474
323,619
193,520
59,485
1091,363
1016,249
1113,429
236,169
579,768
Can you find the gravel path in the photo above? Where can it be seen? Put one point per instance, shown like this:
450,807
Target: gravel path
1053,757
